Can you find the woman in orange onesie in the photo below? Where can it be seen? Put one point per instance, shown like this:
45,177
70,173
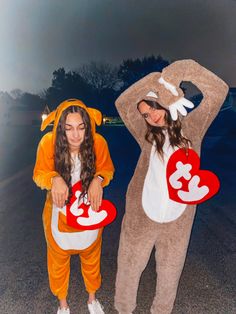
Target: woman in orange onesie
72,152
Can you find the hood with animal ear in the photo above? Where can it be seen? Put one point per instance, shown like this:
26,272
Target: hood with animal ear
54,116
153,87
164,87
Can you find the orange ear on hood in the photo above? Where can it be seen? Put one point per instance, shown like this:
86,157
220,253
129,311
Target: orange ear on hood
50,118
54,116
96,115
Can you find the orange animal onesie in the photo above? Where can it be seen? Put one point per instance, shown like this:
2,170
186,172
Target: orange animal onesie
62,240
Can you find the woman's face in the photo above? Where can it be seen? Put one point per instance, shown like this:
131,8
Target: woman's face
75,131
153,116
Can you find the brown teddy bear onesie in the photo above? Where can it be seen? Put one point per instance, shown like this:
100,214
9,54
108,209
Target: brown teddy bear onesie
151,217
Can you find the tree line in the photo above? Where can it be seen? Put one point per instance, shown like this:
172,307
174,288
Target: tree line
96,84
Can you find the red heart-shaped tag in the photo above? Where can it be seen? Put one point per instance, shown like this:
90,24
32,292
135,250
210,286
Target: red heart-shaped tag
80,215
188,184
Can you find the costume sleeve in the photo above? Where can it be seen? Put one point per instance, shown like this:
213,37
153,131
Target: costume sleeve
213,89
44,165
126,105
104,165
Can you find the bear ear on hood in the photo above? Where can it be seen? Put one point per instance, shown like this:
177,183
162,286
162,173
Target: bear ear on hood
96,115
50,118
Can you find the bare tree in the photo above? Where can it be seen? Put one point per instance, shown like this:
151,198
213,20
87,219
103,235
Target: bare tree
100,75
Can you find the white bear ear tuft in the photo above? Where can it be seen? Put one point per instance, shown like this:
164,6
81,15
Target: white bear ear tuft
152,94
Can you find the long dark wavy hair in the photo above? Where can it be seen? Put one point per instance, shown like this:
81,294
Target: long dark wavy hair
63,160
156,133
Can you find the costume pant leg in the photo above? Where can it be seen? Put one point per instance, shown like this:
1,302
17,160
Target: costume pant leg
90,265
134,253
58,272
171,248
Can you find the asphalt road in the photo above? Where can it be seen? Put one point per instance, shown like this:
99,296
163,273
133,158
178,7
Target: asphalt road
207,284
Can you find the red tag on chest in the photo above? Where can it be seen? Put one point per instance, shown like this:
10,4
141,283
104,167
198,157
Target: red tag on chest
188,184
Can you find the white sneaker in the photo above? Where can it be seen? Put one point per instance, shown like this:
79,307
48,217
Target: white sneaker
95,308
63,310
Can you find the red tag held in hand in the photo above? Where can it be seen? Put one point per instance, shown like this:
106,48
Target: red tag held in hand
81,216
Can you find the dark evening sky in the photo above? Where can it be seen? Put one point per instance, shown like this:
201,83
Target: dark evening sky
38,37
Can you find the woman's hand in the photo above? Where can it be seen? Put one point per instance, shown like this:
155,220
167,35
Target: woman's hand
60,191
95,192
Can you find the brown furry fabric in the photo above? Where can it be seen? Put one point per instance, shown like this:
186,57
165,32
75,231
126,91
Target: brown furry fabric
139,234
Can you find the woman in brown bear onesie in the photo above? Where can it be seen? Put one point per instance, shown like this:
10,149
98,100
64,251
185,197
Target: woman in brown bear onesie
152,218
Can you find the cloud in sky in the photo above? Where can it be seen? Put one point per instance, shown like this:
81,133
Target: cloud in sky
38,37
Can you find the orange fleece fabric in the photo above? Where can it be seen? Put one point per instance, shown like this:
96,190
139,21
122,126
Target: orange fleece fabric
44,171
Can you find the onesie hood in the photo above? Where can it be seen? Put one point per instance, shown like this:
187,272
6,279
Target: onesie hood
167,95
153,87
54,116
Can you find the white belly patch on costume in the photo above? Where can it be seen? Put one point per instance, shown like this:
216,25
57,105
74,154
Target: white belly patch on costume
70,240
155,198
